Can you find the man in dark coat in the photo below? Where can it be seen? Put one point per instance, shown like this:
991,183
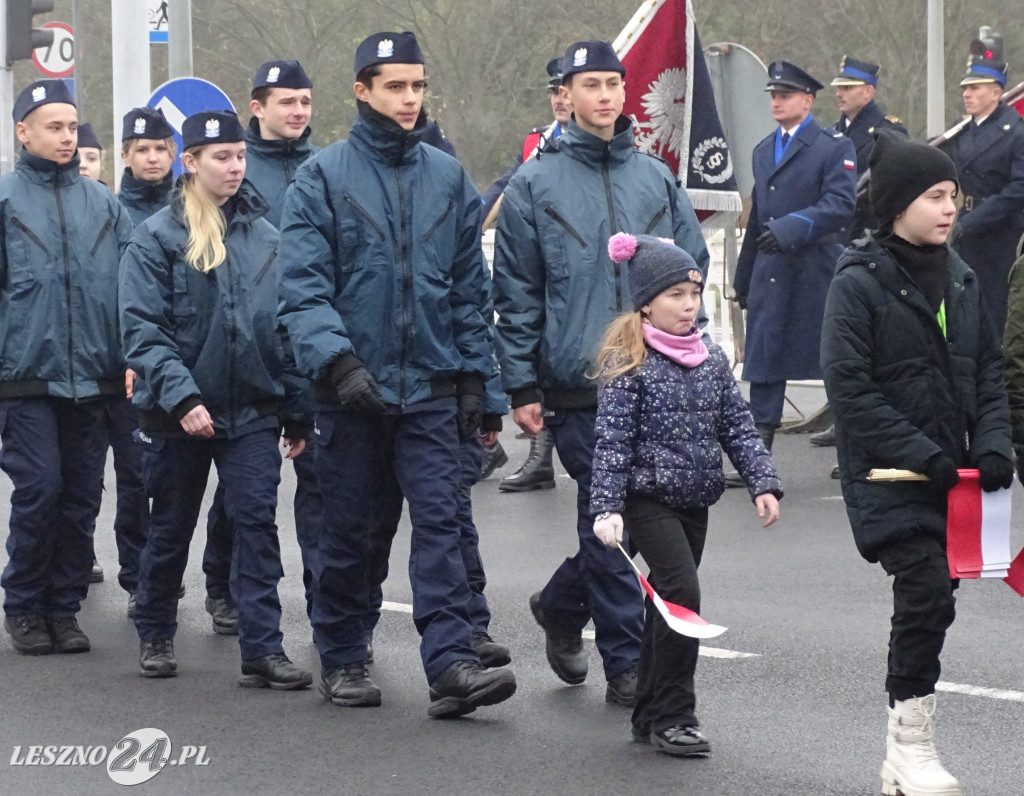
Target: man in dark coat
803,205
989,158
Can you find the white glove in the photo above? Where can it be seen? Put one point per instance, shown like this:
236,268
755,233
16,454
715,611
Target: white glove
608,528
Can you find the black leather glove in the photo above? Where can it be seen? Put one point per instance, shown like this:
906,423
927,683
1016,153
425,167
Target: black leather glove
942,473
994,472
469,392
768,243
357,391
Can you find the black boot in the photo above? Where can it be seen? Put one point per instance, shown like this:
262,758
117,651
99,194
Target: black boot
537,471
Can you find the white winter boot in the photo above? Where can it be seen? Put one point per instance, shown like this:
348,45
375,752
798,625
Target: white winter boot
912,766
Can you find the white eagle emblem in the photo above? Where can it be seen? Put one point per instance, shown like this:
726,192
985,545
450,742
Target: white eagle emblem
385,48
38,94
212,128
665,130
140,126
273,74
579,58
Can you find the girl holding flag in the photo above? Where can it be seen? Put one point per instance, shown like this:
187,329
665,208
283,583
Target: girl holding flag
913,371
667,407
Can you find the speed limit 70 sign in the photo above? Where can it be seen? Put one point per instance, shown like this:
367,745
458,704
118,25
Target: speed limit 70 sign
57,59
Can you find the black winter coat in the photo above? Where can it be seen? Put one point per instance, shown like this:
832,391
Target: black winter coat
902,393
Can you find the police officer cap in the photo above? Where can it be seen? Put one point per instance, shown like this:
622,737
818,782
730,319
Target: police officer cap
590,56
87,138
856,73
281,74
388,48
554,74
145,122
211,127
40,93
784,76
981,69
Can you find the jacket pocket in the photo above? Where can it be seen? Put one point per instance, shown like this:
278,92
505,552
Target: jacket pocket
363,213
653,223
265,267
440,220
99,238
24,262
558,219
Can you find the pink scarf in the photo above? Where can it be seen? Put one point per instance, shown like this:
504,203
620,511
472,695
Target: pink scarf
688,350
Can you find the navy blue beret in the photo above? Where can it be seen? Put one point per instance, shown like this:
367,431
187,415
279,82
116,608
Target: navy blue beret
388,48
40,93
87,138
211,127
281,74
146,122
590,56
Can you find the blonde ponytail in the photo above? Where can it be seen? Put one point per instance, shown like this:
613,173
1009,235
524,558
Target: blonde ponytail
622,349
205,224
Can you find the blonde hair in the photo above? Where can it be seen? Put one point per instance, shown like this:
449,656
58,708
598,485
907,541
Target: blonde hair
622,348
126,146
205,224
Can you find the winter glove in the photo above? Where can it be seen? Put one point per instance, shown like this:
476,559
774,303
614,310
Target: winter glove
994,472
357,391
942,473
768,243
469,392
608,528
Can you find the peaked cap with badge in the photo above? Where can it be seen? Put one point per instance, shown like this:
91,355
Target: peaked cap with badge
554,70
982,69
281,74
388,48
784,76
590,56
42,92
146,122
856,73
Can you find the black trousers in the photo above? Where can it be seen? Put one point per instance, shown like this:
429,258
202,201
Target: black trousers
923,607
671,542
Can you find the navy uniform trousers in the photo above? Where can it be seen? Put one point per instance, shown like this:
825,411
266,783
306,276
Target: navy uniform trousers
53,450
471,456
176,471
597,583
131,521
307,506
421,449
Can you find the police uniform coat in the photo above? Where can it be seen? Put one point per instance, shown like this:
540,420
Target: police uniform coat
861,131
989,159
270,165
807,201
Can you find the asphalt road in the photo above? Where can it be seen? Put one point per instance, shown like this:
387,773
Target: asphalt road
802,713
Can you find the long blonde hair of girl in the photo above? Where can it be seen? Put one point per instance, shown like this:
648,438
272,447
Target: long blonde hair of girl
205,224
622,349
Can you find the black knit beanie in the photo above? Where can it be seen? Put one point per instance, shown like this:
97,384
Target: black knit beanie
902,170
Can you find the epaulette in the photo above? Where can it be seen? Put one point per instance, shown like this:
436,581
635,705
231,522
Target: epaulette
893,119
833,134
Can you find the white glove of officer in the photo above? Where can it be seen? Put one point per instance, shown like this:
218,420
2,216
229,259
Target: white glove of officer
608,528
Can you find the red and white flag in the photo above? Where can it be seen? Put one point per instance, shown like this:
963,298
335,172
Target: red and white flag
977,530
681,620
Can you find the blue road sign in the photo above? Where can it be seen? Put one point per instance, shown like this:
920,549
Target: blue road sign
181,98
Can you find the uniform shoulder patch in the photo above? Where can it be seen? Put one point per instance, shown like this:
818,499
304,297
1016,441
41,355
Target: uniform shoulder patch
893,119
835,135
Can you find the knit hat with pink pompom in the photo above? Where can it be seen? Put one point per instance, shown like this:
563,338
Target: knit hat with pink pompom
655,264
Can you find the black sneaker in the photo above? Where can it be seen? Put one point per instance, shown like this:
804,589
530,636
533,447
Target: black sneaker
350,687
131,605
681,741
156,658
29,634
274,671
96,576
224,616
493,459
67,635
490,652
621,688
564,646
465,686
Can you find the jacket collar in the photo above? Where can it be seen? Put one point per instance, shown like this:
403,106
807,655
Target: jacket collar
584,146
249,204
382,138
802,137
42,170
147,193
272,148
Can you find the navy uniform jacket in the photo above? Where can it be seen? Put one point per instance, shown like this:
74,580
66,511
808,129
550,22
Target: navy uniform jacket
270,165
861,131
989,160
808,201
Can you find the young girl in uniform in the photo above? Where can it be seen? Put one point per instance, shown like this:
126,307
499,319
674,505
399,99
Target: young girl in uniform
668,405
198,300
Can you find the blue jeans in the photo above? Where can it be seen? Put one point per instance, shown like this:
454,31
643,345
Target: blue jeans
354,453
176,472
53,450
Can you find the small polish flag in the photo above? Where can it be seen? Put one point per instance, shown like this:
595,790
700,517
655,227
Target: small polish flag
849,165
681,620
977,530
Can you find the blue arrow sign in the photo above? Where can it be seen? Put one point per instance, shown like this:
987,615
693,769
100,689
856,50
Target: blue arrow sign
181,98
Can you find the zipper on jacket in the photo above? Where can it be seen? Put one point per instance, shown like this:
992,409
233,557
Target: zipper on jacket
612,220
232,339
365,215
67,284
18,223
654,221
565,225
266,267
102,235
406,287
440,221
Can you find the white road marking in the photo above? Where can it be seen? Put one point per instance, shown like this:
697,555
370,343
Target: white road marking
977,690
708,652
402,608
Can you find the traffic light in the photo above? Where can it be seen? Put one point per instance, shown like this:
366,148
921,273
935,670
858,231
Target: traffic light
22,38
988,44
